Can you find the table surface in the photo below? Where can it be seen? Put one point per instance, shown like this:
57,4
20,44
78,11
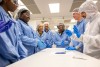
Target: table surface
48,58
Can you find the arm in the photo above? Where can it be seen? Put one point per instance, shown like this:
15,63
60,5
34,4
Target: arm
92,40
56,40
22,50
49,39
25,39
7,50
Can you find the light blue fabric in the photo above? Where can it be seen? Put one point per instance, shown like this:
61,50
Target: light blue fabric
81,28
58,38
41,45
5,26
28,36
11,47
3,62
70,48
43,39
49,40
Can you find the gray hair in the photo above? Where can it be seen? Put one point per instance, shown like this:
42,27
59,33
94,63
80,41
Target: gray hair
76,10
60,24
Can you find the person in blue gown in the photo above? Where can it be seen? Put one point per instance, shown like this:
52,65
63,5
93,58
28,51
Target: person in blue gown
28,35
11,47
61,40
47,30
41,35
81,23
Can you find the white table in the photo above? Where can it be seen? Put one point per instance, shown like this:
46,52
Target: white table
48,58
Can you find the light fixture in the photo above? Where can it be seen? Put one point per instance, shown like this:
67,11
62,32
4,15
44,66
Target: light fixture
95,1
54,7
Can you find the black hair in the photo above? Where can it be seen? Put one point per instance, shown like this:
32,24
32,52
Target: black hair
20,14
60,24
24,11
83,12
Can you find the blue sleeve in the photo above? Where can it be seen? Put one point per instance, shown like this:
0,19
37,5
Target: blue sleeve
42,43
34,33
25,39
69,39
21,49
49,40
3,62
44,38
80,44
56,40
7,50
84,27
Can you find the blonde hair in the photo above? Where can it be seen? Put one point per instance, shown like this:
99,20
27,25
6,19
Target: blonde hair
40,24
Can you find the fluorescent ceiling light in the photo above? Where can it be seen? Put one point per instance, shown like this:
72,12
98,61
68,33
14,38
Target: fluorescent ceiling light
94,1
54,7
21,5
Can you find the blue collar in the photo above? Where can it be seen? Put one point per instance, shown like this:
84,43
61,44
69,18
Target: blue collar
62,32
4,12
46,31
80,21
23,21
39,34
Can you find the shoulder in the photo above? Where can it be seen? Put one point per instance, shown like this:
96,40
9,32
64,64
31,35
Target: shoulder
83,21
97,19
65,33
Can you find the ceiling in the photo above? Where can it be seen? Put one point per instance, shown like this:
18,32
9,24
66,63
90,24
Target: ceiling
40,8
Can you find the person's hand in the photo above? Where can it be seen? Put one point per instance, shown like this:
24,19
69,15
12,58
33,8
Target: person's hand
76,31
62,43
68,32
66,42
70,48
41,45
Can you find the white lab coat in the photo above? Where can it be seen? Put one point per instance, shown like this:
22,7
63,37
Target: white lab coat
91,37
